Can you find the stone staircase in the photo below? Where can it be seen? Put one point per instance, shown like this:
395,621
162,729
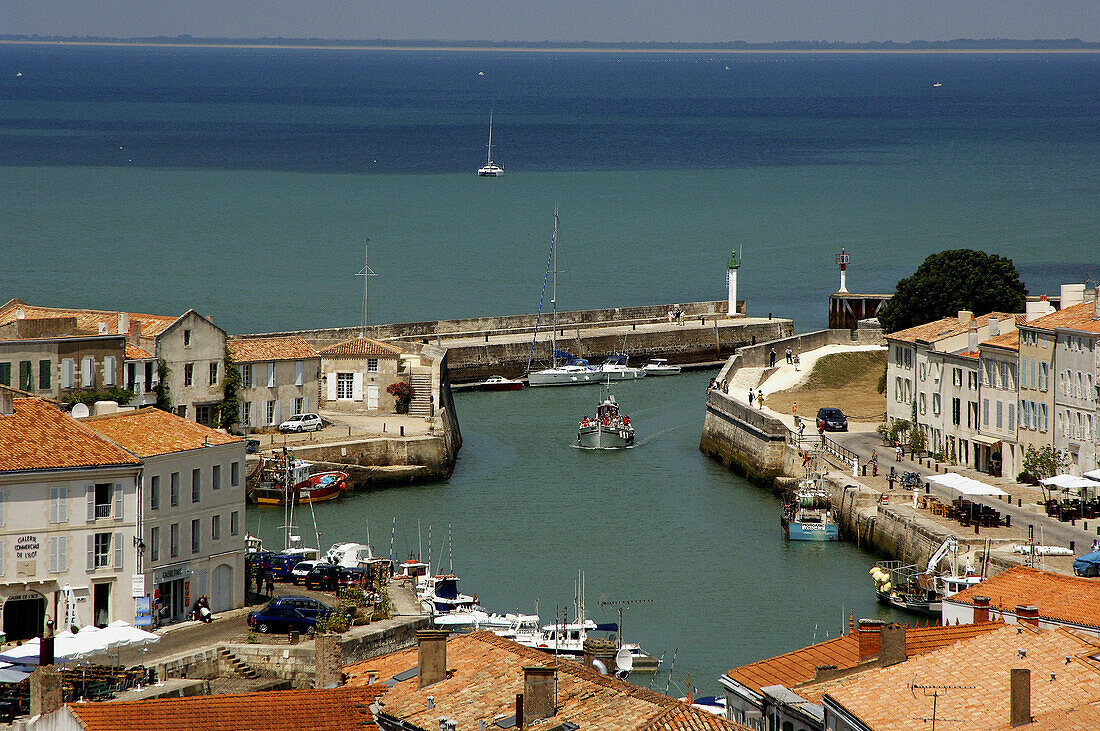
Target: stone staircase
421,404
236,665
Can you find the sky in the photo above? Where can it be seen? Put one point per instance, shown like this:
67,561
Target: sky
561,20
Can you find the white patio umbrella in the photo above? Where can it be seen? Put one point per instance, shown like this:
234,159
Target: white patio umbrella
129,635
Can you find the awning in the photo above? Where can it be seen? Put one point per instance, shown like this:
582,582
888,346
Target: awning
1092,474
965,485
1068,482
982,439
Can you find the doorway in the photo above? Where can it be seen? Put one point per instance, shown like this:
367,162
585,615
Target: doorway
23,617
101,604
372,397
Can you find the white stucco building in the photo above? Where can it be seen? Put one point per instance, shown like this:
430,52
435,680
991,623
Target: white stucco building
280,377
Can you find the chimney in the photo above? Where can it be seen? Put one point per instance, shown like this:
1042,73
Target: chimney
965,316
972,338
328,650
994,327
599,654
123,323
1019,697
431,662
7,402
1072,294
538,693
892,645
981,609
45,690
519,710
103,328
870,638
1028,614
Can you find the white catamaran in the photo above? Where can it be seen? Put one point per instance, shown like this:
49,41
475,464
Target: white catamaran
569,371
490,169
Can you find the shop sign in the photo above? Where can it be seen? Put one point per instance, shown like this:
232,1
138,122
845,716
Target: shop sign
143,613
26,547
20,597
137,585
171,574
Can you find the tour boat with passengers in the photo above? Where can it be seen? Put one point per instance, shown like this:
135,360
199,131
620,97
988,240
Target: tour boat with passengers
609,429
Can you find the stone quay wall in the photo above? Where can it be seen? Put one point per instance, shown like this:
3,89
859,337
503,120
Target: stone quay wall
745,440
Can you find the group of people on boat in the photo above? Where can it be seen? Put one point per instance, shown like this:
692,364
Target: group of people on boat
624,420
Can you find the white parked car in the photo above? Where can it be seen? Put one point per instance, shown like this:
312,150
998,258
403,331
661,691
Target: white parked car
298,573
302,422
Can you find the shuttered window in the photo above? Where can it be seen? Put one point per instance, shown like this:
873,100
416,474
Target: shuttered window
26,382
109,370
59,504
87,372
118,551
299,372
118,501
45,371
154,492
68,369
59,554
196,485
5,374
154,544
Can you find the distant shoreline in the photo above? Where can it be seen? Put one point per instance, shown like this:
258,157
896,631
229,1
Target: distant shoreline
557,49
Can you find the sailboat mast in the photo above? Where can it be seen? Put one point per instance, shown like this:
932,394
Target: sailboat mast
554,295
489,155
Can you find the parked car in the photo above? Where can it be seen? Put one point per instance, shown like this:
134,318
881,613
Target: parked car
301,570
280,565
830,419
323,576
288,613
251,446
1087,565
256,559
302,422
353,576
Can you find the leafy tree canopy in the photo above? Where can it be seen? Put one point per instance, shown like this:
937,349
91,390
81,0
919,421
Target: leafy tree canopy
959,279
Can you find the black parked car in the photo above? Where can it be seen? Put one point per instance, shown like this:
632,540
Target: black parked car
288,613
830,419
323,576
353,576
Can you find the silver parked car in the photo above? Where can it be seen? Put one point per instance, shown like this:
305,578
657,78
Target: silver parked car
302,422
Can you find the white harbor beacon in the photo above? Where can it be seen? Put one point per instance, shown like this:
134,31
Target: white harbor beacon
731,283
843,259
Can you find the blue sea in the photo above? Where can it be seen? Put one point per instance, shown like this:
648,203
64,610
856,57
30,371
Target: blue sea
245,182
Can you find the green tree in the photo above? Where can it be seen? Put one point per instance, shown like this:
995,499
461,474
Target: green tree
959,279
1044,462
164,392
917,441
230,407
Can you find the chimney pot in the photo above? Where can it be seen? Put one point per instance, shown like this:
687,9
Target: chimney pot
538,693
892,645
7,403
1027,614
994,327
1019,698
981,609
869,636
431,661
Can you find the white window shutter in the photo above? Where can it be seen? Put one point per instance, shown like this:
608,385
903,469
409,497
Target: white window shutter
305,404
63,506
331,380
91,503
118,501
118,551
271,375
278,413
251,412
53,554
109,370
3,495
91,552
357,387
299,371
3,553
63,554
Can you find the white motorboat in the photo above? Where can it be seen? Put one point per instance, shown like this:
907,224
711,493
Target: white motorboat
499,383
615,368
661,367
608,429
490,169
439,595
573,372
477,619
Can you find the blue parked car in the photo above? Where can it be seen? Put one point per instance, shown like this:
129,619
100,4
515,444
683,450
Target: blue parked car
288,613
281,564
1087,565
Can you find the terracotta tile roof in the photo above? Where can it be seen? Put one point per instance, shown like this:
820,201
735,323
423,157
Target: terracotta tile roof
976,675
1060,598
133,352
39,436
361,346
338,709
931,332
485,672
88,320
151,432
1077,317
252,350
797,668
1083,718
1007,341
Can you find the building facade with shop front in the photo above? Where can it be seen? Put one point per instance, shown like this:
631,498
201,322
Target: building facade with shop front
68,500
190,511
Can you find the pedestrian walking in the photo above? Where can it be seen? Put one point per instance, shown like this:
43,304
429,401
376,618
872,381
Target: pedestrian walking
790,356
725,386
890,478
897,451
795,361
759,399
269,584
855,466
751,397
1095,546
773,358
874,463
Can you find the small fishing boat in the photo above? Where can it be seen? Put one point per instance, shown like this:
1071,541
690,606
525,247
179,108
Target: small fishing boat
809,514
609,429
660,367
615,368
499,383
279,476
439,595
906,587
490,169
